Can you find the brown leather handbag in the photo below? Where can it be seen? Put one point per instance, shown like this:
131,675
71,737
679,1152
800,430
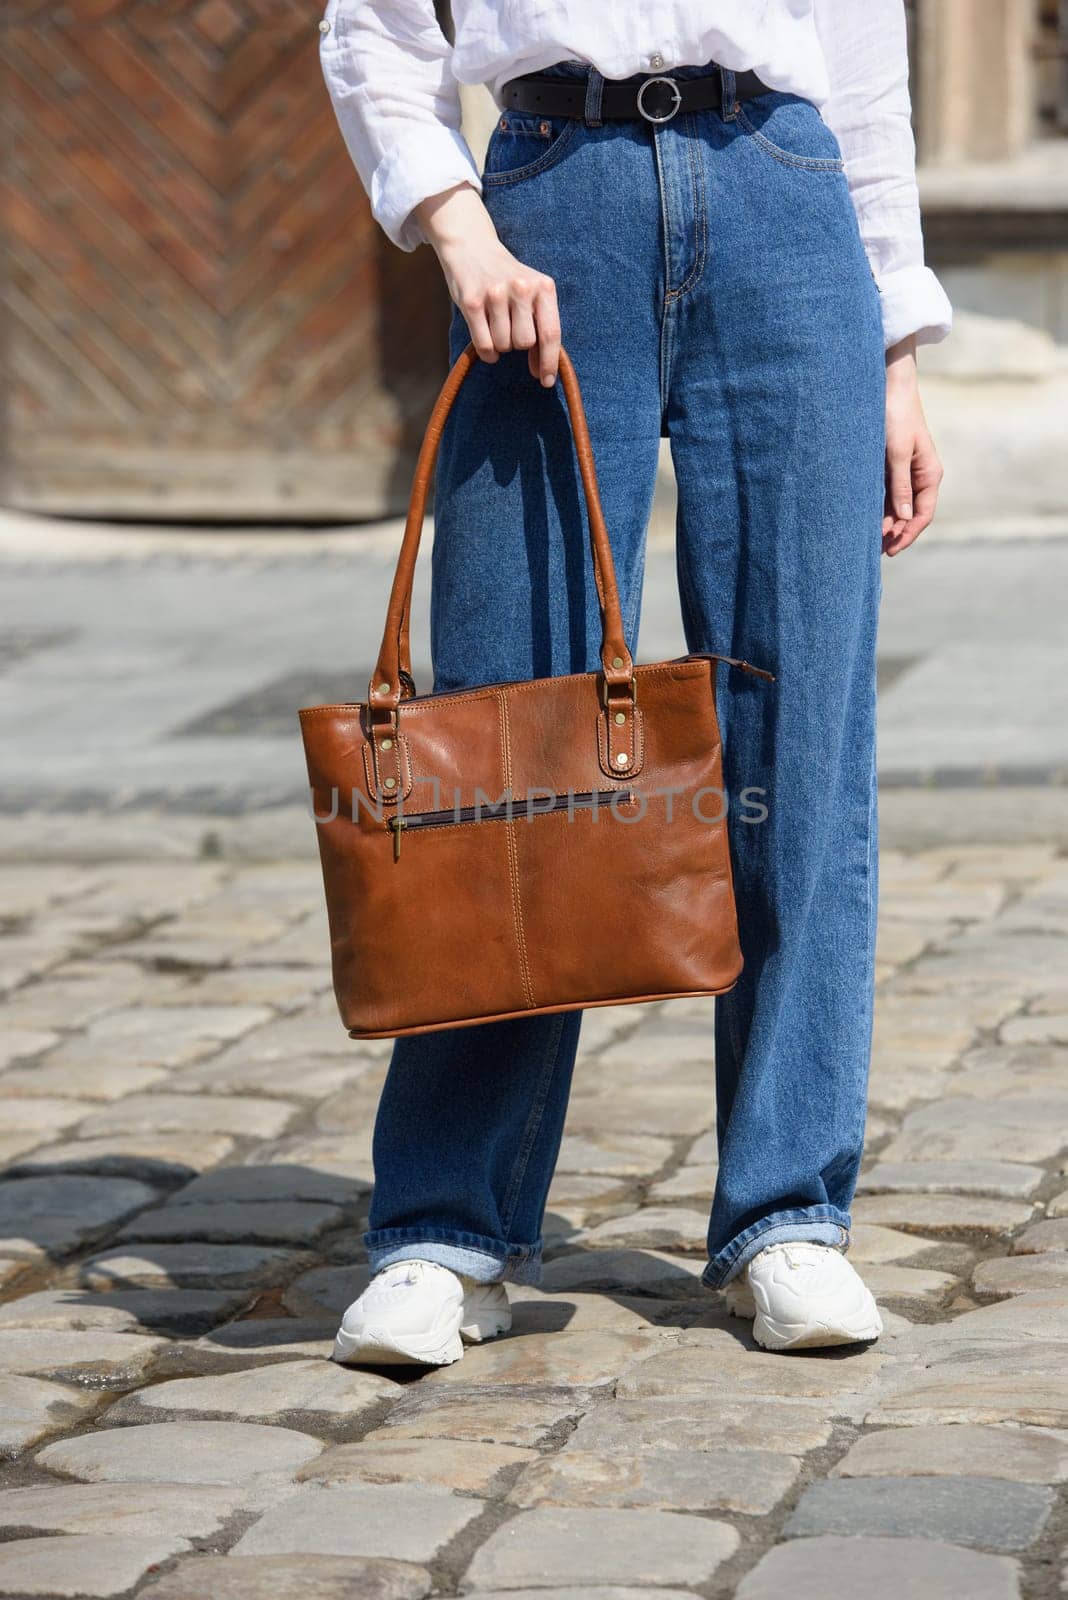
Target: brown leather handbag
522,848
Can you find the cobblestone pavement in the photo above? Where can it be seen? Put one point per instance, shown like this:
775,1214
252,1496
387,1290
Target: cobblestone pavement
187,1133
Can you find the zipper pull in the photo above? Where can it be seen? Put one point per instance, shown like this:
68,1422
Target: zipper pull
395,825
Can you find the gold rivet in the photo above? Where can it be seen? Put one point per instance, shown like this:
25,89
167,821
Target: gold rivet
386,744
621,716
543,128
622,759
617,661
383,688
390,783
737,107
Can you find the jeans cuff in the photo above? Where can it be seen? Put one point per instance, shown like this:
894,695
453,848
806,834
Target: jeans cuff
484,1260
816,1224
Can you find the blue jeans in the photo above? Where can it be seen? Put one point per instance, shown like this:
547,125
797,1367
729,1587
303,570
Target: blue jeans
713,289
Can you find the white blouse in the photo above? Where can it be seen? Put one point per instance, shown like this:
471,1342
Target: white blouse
394,81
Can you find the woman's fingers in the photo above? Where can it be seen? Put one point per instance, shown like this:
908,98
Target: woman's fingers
924,479
524,333
547,316
499,316
474,310
899,482
509,306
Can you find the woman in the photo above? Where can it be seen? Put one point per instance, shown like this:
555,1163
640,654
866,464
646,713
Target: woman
744,275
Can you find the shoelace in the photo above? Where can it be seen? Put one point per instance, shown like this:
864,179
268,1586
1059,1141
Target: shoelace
402,1273
789,1253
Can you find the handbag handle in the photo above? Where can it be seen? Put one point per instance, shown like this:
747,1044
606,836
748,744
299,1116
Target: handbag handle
392,675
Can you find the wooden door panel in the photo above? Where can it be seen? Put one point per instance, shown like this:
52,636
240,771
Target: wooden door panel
197,307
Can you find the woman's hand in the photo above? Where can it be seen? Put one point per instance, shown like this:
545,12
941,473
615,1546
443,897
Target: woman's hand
913,470
507,306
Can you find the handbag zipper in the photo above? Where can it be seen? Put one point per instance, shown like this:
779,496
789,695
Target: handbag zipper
502,811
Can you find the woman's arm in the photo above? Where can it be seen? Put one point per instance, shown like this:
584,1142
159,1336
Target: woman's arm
869,111
387,66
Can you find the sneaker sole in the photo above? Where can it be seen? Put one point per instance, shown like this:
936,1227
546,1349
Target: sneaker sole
861,1329
379,1349
376,1348
487,1327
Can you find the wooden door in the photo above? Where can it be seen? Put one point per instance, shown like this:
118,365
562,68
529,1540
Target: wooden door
199,317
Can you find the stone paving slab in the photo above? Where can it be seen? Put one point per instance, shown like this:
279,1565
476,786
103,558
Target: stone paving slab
1023,1455
528,1418
243,1116
1008,1180
292,1578
1050,1235
182,1452
551,1547
259,1222
996,1392
54,1214
1038,1315
748,1481
536,1312
909,1286
32,1408
325,1289
632,1271
150,1155
1007,1275
565,1359
730,1369
96,1359
252,1342
606,1592
468,1465
922,1569
186,1266
707,1423
993,1514
317,1390
956,1216
82,1564
964,1128
191,1511
266,1185
405,1522
167,1311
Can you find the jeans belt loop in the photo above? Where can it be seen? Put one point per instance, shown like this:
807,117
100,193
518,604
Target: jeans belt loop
729,95
594,90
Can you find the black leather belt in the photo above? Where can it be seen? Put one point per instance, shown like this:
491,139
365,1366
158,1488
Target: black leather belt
658,98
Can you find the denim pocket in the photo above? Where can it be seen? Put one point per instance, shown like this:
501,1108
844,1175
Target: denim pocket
524,143
792,131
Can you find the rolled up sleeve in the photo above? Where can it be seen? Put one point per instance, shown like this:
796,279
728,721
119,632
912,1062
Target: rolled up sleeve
869,111
388,70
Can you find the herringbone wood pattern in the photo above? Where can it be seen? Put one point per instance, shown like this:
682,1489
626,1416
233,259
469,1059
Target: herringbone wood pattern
196,300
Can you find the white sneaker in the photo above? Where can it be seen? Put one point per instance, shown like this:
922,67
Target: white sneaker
802,1296
420,1312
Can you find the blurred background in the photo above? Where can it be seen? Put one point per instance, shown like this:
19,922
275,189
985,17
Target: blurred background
216,372
197,306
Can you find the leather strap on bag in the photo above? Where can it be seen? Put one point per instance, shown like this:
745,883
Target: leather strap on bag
392,679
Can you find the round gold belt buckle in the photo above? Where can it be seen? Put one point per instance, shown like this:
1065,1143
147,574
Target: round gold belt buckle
672,107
